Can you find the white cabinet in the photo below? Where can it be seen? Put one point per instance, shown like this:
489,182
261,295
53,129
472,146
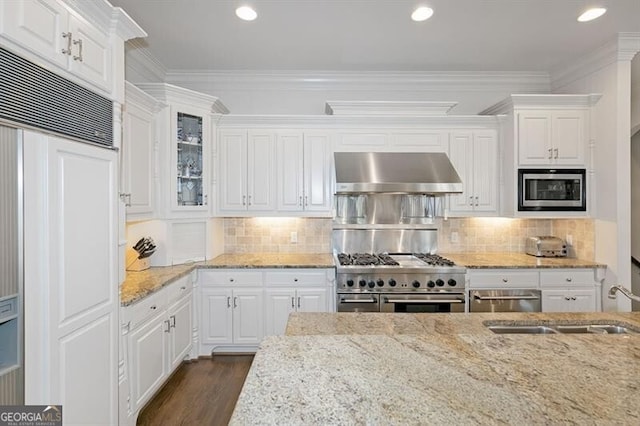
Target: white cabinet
475,157
48,29
552,137
232,305
569,290
391,140
159,338
304,167
247,171
294,291
138,154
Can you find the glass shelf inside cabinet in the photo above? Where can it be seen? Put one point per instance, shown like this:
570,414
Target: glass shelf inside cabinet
189,149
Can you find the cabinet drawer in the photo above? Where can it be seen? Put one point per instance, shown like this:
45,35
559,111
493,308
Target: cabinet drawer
504,279
567,277
296,277
148,307
230,277
179,289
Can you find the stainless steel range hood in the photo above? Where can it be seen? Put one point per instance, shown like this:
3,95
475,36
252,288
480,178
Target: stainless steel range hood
399,173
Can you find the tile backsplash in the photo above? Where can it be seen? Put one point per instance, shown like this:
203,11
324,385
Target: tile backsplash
313,235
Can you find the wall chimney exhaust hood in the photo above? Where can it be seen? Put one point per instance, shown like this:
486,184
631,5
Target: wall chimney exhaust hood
399,173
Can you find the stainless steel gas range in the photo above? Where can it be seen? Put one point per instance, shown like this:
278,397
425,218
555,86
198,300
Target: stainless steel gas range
397,277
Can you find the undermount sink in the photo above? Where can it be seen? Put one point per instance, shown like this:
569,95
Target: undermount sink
561,328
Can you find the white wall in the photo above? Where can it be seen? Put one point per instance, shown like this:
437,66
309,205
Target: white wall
635,94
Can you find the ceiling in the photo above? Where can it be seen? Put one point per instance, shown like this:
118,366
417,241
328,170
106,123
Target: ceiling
376,35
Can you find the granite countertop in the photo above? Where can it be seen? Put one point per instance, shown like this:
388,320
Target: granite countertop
517,260
451,373
138,285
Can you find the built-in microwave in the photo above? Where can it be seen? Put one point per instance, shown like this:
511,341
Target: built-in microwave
552,190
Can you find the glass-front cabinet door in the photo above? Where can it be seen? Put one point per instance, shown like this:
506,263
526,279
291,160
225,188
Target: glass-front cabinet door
191,147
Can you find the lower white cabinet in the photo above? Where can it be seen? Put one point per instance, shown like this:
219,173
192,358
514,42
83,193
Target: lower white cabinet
570,290
569,300
240,306
158,336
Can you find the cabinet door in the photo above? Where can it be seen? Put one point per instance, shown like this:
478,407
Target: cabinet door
180,338
317,172
279,303
148,358
233,170
247,316
568,130
37,25
311,300
137,160
290,171
461,156
485,177
569,300
90,56
534,138
261,171
216,323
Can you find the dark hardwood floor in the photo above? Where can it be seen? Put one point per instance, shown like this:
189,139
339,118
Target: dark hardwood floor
199,393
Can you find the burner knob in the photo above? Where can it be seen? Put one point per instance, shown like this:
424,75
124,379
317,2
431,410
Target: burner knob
362,283
392,282
380,282
349,283
439,282
431,284
416,284
372,284
452,282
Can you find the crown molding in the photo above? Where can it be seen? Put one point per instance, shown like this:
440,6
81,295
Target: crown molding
623,47
141,61
357,122
543,101
140,97
108,18
396,108
169,93
398,81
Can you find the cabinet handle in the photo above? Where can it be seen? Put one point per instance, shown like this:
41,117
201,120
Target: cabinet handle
231,279
293,303
295,280
228,302
306,200
476,201
505,280
555,150
573,298
550,153
79,44
249,200
128,202
67,51
153,307
471,201
183,288
300,203
569,279
168,329
298,302
206,200
235,302
173,321
244,200
567,298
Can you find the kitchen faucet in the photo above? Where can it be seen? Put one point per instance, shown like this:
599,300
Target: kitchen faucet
623,290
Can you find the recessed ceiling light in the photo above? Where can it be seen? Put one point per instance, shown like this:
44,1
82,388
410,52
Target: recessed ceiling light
246,13
591,14
422,13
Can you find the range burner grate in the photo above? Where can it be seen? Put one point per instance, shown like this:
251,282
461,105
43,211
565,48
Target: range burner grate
434,259
366,259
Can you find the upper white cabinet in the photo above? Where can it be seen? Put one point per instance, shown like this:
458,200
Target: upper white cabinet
185,134
391,140
304,167
474,155
247,161
552,137
52,32
138,154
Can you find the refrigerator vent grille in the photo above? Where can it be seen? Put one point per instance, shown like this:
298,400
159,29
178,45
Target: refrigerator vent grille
36,97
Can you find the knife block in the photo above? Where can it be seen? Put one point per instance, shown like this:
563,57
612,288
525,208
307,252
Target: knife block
134,264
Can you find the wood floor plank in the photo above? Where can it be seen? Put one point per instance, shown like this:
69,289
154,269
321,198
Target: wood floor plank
199,393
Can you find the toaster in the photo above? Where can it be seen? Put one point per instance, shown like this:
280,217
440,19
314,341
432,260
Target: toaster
546,246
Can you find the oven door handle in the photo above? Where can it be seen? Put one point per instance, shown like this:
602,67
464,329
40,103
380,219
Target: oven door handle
422,301
372,300
523,297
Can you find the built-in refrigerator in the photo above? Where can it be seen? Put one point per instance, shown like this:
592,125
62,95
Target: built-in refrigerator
11,268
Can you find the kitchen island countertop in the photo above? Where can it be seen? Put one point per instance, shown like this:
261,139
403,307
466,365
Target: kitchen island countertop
453,373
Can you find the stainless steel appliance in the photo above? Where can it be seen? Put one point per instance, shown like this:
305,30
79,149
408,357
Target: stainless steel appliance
546,246
504,301
384,270
552,190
